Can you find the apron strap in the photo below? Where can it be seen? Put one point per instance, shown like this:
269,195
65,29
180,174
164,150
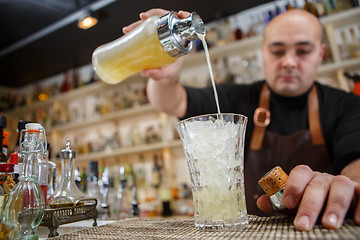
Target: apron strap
262,118
314,118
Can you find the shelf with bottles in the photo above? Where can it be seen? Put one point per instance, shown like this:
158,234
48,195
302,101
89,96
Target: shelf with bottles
348,64
149,147
343,32
130,112
242,59
88,106
334,21
69,96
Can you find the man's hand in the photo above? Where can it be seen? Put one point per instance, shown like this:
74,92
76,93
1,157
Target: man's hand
171,71
310,192
163,89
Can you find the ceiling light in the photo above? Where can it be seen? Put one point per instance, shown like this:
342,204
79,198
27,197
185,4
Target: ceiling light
87,21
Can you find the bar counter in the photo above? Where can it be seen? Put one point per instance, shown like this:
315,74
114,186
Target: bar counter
275,227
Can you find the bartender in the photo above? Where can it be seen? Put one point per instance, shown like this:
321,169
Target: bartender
312,131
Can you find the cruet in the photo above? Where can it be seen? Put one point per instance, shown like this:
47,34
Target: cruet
67,192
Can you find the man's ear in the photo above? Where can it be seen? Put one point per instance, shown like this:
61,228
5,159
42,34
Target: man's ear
322,51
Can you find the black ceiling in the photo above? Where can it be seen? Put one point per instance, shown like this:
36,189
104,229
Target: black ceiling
71,47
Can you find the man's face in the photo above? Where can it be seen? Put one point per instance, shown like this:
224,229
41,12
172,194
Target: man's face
292,51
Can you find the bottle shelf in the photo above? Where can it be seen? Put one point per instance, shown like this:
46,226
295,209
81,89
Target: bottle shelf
130,112
342,18
348,64
127,150
71,95
237,47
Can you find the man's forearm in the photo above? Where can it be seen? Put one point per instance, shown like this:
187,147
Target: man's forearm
167,96
352,170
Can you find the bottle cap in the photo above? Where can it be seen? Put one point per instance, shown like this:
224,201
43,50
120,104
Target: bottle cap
21,125
33,126
6,167
67,153
273,181
176,34
6,138
14,158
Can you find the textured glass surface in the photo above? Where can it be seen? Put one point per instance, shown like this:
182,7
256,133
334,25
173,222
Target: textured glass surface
214,146
24,206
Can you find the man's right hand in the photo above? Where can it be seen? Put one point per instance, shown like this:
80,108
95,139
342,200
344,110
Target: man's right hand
171,71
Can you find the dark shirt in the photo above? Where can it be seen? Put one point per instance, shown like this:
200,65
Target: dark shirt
339,115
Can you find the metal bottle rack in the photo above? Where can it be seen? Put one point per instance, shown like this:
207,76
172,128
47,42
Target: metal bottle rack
81,210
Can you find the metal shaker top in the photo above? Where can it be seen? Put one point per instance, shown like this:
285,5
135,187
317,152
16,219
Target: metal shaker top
67,153
176,34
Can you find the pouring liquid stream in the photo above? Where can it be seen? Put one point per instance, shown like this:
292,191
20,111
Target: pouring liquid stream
206,50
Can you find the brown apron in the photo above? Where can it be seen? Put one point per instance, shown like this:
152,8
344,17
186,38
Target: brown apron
269,149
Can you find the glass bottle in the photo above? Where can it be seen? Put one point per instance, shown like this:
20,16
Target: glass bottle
156,175
93,190
5,143
24,206
309,6
67,193
19,166
354,46
104,184
6,185
156,42
3,124
52,173
344,45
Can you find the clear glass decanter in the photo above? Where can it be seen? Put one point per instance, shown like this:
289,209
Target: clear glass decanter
24,206
67,192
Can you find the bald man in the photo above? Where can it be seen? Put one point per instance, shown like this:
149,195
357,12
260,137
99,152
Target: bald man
312,132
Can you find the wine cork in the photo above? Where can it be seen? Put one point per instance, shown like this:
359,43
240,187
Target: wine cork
273,181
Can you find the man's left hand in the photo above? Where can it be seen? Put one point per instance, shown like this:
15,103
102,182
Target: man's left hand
310,192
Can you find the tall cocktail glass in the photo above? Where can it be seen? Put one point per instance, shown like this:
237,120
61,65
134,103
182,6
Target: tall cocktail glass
214,149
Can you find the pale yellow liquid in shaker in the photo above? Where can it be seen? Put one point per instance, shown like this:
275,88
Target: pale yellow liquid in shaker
140,49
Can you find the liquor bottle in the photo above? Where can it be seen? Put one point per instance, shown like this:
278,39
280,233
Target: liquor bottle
83,181
52,184
309,6
5,143
93,190
24,206
3,124
122,203
344,45
320,7
65,85
6,186
354,45
342,5
156,174
77,177
329,7
104,194
289,6
165,196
